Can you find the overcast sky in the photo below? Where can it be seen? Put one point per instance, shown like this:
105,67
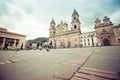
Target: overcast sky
32,17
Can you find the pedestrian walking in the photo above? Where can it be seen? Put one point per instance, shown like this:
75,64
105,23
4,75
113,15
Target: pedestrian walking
40,47
46,46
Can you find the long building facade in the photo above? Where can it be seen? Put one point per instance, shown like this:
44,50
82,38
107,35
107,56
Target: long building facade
11,39
105,34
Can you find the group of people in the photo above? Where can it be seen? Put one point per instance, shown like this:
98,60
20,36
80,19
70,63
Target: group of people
42,46
10,46
39,46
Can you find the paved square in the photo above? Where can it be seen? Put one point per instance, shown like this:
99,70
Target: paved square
57,64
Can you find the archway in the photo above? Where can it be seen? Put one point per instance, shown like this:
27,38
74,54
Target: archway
69,44
106,42
61,44
75,26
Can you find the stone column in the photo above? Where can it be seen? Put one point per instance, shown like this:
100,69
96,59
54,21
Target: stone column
3,44
14,45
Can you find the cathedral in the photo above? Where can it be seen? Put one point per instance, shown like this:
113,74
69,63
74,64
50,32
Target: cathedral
105,34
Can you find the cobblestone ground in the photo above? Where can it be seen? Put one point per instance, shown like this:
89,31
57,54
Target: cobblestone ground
94,63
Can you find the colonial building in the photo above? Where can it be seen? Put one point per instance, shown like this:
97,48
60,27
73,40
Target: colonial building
12,39
117,33
88,39
60,36
105,33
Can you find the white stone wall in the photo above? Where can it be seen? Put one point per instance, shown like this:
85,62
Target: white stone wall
88,39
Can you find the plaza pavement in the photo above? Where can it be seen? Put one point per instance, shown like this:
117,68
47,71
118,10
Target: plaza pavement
61,64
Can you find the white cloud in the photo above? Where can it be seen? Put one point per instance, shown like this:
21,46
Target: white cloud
115,17
13,15
29,25
17,20
33,16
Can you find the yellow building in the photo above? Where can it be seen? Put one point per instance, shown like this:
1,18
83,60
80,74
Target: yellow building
11,39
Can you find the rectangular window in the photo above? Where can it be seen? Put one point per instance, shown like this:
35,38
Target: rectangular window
92,44
85,44
118,33
81,40
84,40
88,40
119,40
88,43
92,39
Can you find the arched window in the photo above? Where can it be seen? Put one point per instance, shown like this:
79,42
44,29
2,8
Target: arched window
75,26
53,32
84,40
81,40
88,40
106,42
74,17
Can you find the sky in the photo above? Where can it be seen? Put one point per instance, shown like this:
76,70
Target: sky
32,17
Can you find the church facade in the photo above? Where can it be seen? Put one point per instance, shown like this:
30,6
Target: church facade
105,33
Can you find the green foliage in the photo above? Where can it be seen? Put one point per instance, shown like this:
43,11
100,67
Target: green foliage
38,40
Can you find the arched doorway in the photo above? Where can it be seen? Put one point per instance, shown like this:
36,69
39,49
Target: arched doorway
69,44
106,42
61,44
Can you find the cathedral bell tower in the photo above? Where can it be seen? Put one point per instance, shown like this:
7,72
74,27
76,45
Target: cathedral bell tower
75,21
52,28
